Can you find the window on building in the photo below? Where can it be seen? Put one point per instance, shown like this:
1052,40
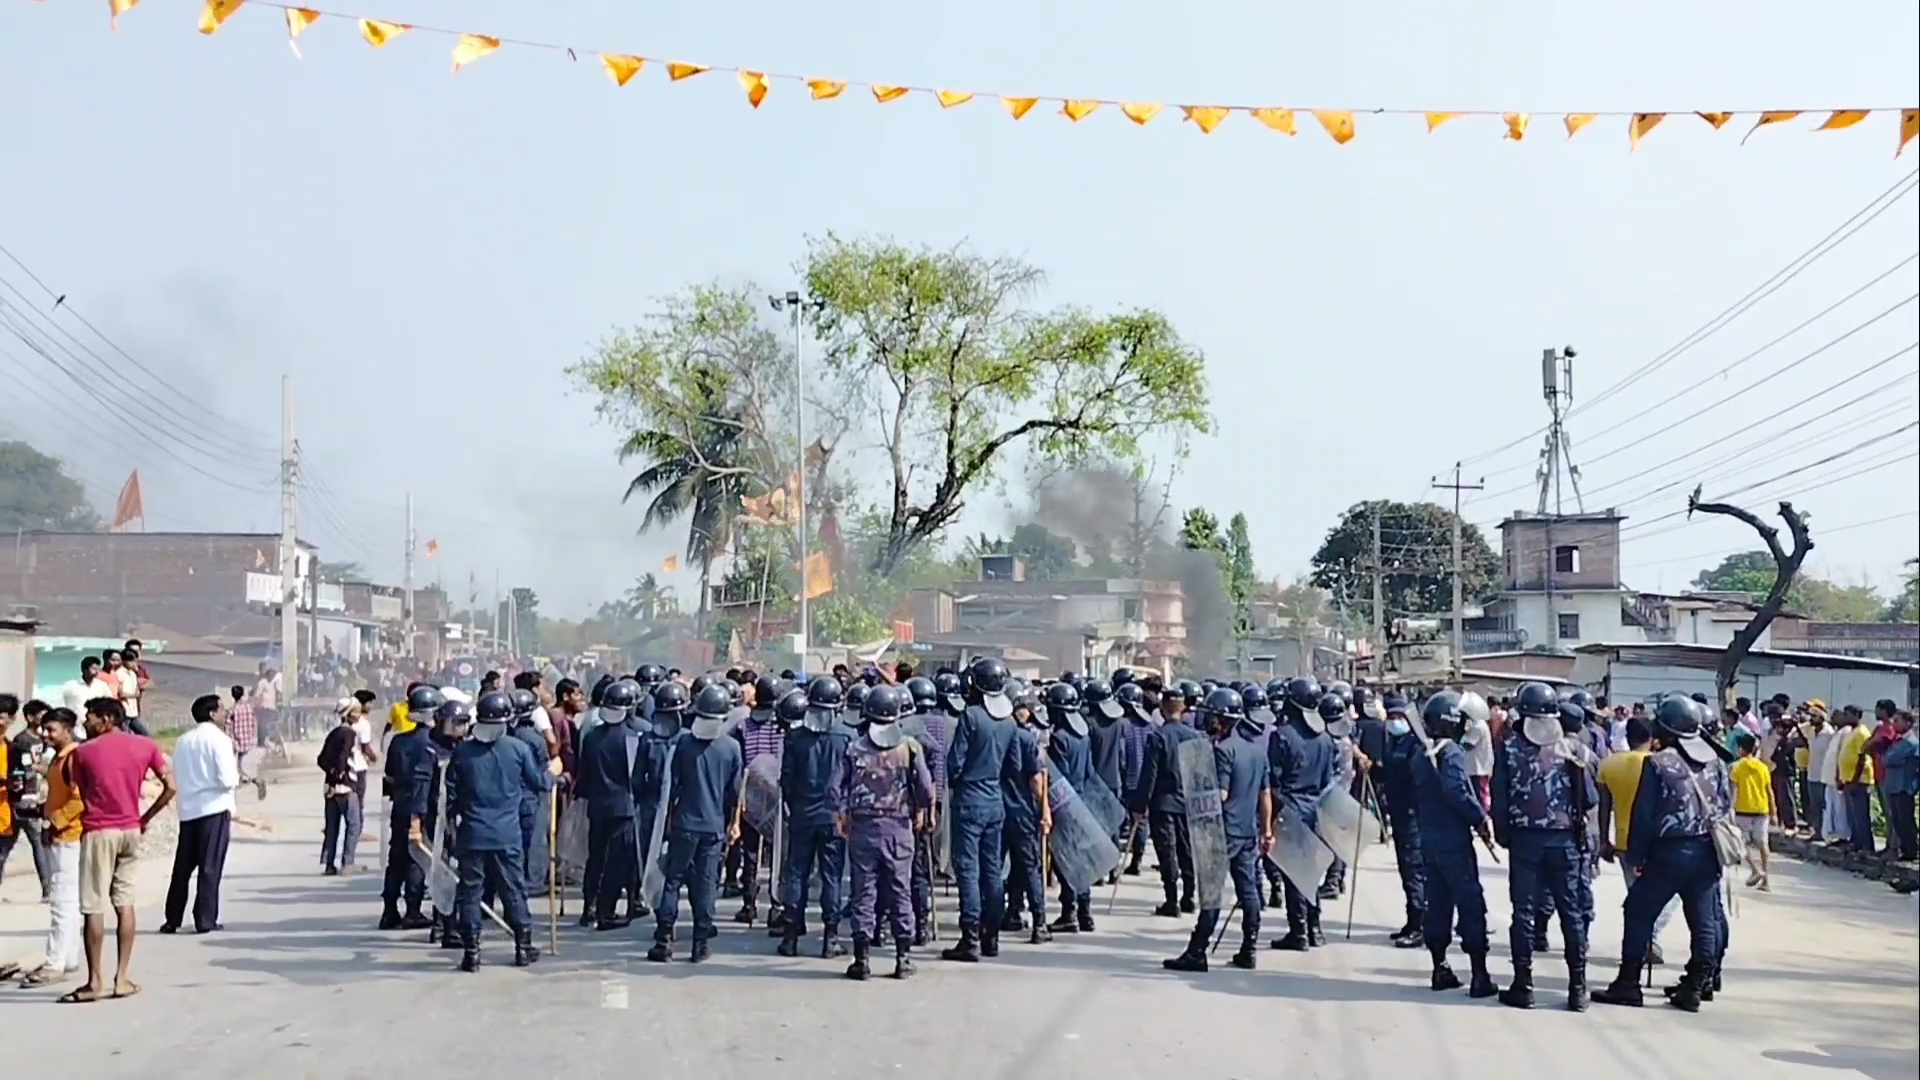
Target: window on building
1130,610
1566,559
1569,626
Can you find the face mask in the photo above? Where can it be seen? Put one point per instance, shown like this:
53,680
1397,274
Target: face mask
1399,727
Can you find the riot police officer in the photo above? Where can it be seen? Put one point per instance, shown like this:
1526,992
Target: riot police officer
488,779
1240,754
1300,754
813,751
985,742
880,785
1070,748
1396,791
1446,805
1159,799
609,764
410,778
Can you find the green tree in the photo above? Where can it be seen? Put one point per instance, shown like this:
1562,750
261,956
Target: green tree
1906,606
1242,579
37,493
1416,558
953,371
526,620
1048,557
1748,572
1752,573
1200,531
843,619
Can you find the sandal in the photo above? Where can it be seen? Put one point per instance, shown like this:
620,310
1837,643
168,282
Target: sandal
8,971
85,995
41,977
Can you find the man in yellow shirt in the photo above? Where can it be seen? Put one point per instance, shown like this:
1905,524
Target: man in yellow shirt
1753,806
1619,783
1856,777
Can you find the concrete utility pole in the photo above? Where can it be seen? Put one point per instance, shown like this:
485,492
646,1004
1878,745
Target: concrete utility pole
289,547
1457,660
795,306
407,616
1379,604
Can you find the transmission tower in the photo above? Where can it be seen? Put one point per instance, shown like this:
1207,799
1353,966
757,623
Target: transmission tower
1556,457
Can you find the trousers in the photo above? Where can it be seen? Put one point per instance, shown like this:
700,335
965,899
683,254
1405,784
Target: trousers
1243,866
535,848
614,866
342,830
1686,867
880,851
810,848
1455,900
691,861
1661,920
1545,865
404,878
1026,890
1860,816
63,902
1817,816
496,872
1174,850
977,868
201,850
922,881
1406,858
743,862
1783,798
1900,824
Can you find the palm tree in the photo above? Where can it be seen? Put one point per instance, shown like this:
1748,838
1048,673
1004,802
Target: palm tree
695,467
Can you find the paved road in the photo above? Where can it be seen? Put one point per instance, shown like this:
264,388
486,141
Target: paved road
1821,983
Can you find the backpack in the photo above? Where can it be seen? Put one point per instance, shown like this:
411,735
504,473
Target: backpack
1729,845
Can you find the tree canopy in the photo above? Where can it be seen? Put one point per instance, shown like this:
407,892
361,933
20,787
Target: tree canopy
1416,558
1752,573
1048,557
948,370
37,493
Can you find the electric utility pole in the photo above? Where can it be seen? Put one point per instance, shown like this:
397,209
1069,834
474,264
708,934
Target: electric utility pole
796,307
407,621
1457,661
289,546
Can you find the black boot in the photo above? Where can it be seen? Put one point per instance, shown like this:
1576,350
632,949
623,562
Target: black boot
1625,987
1186,903
859,969
1168,910
1314,937
830,947
789,945
990,945
449,934
1041,935
1066,923
1520,994
1481,984
777,921
748,913
660,953
390,918
902,962
1244,959
1686,996
469,945
966,950
1276,896
1577,986
524,951
1443,976
1083,919
1133,865
1294,941
1191,960
587,918
702,950
413,920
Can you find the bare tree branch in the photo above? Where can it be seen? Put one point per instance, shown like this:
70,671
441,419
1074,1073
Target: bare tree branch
1786,568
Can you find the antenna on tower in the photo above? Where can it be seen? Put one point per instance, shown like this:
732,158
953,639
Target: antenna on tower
1556,458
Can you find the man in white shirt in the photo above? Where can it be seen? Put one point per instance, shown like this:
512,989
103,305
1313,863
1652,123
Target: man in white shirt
207,772
266,706
88,686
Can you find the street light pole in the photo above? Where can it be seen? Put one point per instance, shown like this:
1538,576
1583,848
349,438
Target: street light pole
795,306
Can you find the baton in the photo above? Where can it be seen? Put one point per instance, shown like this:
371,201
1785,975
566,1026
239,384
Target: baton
933,894
553,871
1221,936
1353,868
1489,846
1133,826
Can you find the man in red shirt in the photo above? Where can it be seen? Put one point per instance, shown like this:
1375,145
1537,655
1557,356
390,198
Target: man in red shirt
109,770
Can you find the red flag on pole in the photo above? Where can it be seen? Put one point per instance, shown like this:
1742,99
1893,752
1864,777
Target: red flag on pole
129,508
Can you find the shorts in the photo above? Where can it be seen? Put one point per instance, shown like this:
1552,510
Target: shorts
108,858
1754,828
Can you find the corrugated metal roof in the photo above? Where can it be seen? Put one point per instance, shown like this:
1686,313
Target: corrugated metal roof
1686,654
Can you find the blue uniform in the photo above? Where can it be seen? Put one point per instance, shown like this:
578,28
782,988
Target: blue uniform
487,783
1447,808
707,775
1072,754
807,766
1242,769
1670,837
1302,765
976,759
534,813
1020,829
1540,796
1396,790
939,727
409,779
1159,795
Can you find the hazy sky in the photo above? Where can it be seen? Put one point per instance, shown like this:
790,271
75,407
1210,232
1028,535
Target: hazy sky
424,253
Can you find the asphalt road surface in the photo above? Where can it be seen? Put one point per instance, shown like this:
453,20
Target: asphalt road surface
1821,982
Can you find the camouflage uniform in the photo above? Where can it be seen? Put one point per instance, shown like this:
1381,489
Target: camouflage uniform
878,791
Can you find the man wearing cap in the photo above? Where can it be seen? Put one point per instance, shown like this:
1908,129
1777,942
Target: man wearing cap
1683,790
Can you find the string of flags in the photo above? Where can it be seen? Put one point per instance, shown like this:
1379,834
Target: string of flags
1342,125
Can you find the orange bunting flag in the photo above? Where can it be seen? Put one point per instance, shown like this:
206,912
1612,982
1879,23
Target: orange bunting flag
473,47
378,32
1638,127
822,89
677,71
1205,117
1139,111
621,67
884,94
1018,107
1909,127
1576,121
1517,125
298,19
1767,118
670,565
1435,119
1842,119
119,8
215,13
1337,122
433,549
1717,119
755,84
1280,120
1077,111
950,98
129,508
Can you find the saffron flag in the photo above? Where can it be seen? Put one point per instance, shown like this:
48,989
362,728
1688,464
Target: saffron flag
128,509
433,549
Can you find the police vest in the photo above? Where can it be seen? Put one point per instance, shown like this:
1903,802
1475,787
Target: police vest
1688,801
1540,787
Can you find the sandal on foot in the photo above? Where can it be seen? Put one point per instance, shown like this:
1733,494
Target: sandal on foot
85,995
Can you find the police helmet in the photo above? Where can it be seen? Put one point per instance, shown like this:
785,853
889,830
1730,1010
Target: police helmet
1253,696
1073,679
670,697
422,700
1061,696
1441,716
1474,708
766,691
1331,707
1582,699
1224,703
1097,695
451,713
792,707
952,692
1189,692
624,694
524,702
650,675
884,704
1676,718
924,695
1303,693
988,675
1343,688
1536,699
1121,677
1573,718
735,692
494,706
701,682
711,703
857,696
1131,698
825,692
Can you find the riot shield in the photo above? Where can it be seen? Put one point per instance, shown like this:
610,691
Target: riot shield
1342,821
1302,856
760,795
653,878
1105,806
1080,846
1206,821
441,880
573,838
